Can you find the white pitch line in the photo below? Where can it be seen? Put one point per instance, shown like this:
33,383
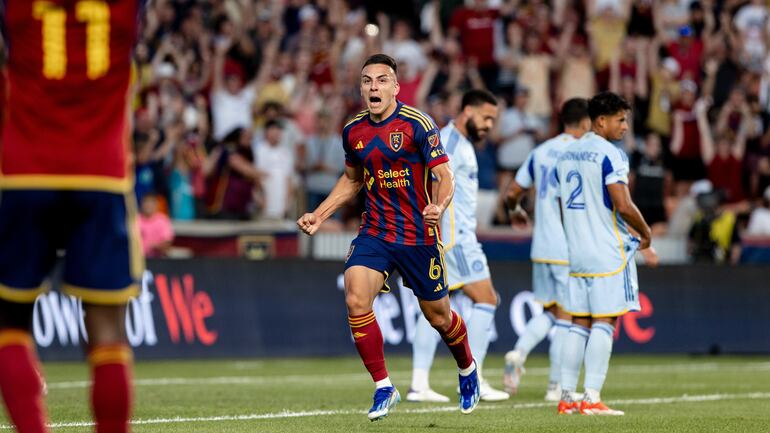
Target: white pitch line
337,378
289,414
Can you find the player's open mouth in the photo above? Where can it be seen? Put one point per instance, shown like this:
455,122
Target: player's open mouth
375,101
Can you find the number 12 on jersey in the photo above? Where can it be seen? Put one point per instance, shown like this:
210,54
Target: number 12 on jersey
96,15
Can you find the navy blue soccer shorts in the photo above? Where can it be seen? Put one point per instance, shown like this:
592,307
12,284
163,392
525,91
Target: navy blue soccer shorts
421,266
97,230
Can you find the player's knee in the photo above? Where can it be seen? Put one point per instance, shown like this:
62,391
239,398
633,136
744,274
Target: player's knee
357,303
440,322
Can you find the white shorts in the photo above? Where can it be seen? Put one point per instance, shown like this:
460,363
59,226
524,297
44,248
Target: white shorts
465,263
609,296
549,283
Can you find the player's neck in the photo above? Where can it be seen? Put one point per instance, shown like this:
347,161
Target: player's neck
460,123
575,132
600,133
377,118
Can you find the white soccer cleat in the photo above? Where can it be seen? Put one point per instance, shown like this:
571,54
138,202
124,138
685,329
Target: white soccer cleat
514,368
426,396
553,393
490,394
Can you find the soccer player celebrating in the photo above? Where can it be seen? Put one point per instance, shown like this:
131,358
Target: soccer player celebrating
65,184
598,216
392,149
466,264
549,247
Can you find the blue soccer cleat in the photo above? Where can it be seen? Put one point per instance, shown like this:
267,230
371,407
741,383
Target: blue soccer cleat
384,400
469,391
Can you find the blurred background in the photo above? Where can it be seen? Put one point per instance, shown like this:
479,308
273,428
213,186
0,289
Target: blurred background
240,105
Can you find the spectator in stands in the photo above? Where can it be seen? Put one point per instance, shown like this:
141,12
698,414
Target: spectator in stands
325,159
723,156
518,132
650,181
275,164
231,177
154,227
689,127
148,166
759,224
474,27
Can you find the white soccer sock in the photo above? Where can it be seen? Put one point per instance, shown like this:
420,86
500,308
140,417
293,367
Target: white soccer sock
572,356
555,351
478,331
534,333
423,350
383,383
597,357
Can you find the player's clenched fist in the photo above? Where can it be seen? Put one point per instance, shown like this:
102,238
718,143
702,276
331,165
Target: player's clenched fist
431,214
309,223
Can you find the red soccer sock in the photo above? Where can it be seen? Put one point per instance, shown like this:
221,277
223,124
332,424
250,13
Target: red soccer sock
111,391
368,338
457,341
20,381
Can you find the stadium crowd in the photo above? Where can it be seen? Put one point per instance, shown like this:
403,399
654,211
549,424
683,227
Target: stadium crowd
240,102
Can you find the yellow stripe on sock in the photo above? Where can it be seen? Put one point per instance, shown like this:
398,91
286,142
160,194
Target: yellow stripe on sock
456,329
110,354
458,340
16,337
361,325
354,321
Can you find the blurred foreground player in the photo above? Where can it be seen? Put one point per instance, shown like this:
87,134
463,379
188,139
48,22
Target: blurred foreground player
65,185
392,149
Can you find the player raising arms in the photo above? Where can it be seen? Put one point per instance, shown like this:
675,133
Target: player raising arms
466,263
549,247
65,185
592,177
392,149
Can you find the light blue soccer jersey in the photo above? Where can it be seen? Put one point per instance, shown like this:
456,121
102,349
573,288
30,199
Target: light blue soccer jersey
458,224
598,240
549,245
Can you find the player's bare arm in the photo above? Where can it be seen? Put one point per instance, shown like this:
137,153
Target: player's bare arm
445,188
346,188
621,200
513,197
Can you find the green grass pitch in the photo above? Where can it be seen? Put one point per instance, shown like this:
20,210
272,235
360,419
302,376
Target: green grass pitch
659,394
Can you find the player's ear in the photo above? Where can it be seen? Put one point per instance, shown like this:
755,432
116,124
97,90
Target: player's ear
397,87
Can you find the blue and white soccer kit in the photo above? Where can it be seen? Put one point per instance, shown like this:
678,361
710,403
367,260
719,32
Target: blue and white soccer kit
550,260
602,280
465,260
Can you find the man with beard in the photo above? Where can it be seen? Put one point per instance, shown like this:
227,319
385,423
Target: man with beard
466,264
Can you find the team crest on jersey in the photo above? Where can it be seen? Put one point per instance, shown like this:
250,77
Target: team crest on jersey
396,140
433,140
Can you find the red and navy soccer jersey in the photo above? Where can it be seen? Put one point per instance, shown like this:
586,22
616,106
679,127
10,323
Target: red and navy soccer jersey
396,155
67,120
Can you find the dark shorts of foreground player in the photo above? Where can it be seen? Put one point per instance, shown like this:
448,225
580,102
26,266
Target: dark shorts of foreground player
421,266
97,230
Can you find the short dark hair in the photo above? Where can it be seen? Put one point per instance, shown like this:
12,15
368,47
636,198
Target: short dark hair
606,104
573,111
381,59
476,97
